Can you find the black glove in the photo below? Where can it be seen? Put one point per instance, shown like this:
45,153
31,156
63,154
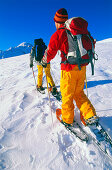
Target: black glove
31,64
43,64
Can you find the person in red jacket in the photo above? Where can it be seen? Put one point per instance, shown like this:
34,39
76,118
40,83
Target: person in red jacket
72,79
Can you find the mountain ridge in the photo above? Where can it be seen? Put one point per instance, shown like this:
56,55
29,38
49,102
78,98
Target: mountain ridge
23,48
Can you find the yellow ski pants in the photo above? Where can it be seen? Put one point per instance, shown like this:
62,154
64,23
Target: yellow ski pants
71,86
48,75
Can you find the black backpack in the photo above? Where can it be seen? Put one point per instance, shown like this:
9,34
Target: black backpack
40,48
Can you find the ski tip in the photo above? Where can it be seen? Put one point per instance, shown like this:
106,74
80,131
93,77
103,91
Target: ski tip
58,114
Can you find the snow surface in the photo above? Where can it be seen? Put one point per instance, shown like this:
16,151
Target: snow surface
29,139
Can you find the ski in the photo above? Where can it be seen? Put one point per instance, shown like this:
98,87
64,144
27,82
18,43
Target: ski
98,135
74,129
101,139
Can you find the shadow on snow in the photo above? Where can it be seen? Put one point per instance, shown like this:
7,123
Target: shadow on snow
96,83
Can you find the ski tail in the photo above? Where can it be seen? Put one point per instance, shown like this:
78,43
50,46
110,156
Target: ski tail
101,138
105,134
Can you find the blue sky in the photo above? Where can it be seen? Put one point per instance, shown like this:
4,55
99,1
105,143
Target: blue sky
25,20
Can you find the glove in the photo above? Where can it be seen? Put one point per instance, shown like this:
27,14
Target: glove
43,64
31,64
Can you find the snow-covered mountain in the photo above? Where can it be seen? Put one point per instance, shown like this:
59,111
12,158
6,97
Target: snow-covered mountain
29,139
23,48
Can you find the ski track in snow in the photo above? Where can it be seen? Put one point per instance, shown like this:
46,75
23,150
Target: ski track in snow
28,139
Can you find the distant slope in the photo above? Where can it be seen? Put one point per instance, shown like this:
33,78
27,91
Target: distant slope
106,40
23,48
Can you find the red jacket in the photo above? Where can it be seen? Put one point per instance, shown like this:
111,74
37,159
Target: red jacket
58,41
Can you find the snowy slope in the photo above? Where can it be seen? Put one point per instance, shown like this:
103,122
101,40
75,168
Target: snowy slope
28,138
23,48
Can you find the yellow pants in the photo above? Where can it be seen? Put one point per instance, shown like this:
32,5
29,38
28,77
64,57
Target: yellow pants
48,75
72,85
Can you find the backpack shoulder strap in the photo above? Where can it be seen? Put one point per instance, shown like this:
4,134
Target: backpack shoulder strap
62,28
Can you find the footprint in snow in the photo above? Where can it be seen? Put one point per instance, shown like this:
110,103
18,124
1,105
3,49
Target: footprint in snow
26,101
43,119
27,75
1,147
2,164
64,142
32,158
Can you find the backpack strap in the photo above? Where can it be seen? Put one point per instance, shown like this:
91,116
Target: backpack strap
91,54
92,57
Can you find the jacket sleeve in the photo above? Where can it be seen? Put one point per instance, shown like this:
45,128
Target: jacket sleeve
52,48
32,54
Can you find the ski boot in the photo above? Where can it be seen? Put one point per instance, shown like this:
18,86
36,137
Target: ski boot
92,120
41,89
